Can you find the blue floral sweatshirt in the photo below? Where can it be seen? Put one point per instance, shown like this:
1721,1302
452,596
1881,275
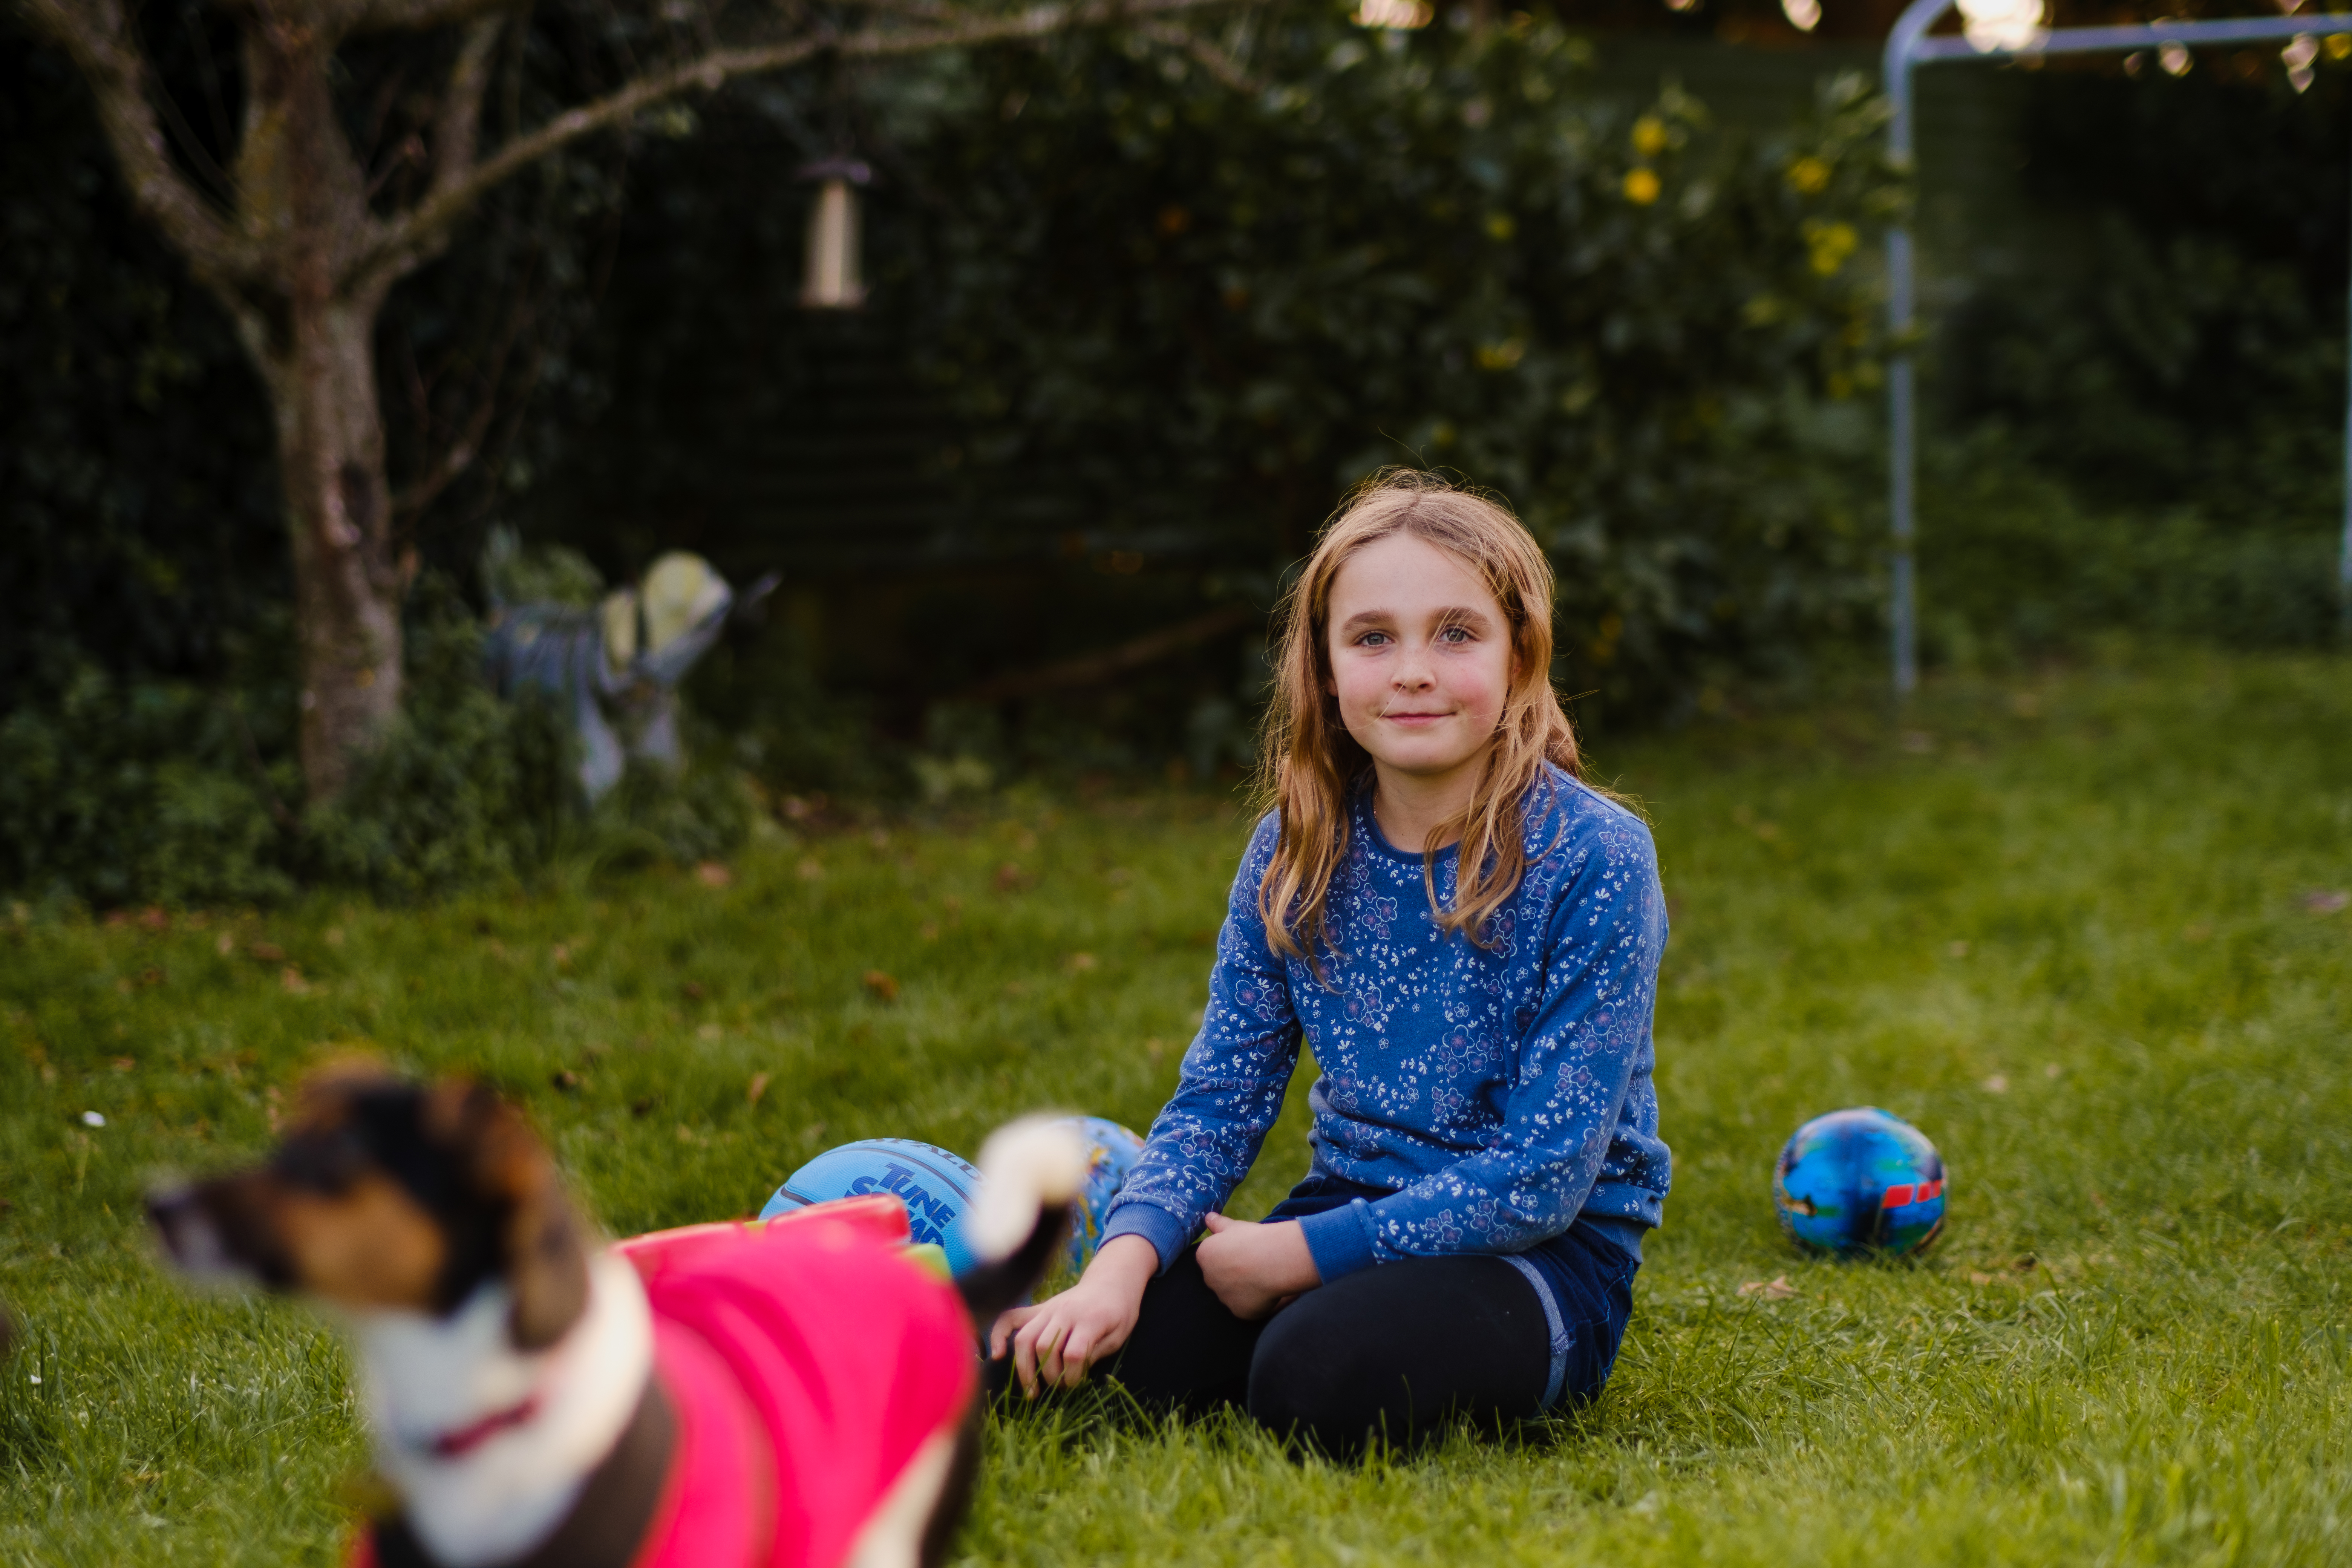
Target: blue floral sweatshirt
1495,1092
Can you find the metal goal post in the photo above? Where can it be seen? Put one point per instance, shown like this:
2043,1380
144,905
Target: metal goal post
1909,47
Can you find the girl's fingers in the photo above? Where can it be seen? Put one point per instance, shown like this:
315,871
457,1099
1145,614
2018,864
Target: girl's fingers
1049,1362
1215,1222
1075,1357
1025,1357
1007,1323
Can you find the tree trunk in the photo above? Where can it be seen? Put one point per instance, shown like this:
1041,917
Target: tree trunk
314,343
347,587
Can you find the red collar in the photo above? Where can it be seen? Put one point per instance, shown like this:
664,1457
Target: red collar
456,1445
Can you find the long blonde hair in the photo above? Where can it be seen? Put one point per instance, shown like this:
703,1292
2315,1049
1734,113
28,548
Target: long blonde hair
1310,765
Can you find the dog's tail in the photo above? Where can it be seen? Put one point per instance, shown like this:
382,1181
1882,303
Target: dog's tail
1030,1171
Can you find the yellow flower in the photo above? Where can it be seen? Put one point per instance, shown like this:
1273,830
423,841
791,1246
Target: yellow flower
1649,136
1641,187
1830,244
1501,226
1502,355
1808,176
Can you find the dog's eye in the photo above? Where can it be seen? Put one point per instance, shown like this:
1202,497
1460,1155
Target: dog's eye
325,1163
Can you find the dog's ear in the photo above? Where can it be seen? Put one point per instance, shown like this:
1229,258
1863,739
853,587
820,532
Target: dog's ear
541,1252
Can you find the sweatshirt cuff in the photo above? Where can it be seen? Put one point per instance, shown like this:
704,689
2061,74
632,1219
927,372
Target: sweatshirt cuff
1154,1224
1340,1239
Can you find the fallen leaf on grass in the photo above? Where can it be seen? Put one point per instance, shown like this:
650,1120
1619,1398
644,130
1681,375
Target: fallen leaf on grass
811,870
267,953
1080,963
758,1086
885,987
2327,900
225,944
711,874
1010,878
291,978
1996,1084
1775,1290
707,1032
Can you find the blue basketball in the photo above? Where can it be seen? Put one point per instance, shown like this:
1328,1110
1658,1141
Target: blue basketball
1111,1153
1860,1181
936,1186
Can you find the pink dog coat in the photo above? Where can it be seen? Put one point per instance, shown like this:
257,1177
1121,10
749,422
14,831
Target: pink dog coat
807,1362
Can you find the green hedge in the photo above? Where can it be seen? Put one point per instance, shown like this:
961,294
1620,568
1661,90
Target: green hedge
1200,312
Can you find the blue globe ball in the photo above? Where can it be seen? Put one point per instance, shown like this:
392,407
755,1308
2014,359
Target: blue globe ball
1111,1153
1860,1181
935,1184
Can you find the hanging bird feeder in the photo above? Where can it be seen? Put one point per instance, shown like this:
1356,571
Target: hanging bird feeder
834,281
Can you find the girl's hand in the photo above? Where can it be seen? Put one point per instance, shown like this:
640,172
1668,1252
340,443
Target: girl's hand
1257,1270
1055,1341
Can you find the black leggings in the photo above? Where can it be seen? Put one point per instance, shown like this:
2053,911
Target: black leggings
1393,1352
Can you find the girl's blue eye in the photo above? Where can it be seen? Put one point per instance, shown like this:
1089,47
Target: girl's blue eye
1370,638
1455,634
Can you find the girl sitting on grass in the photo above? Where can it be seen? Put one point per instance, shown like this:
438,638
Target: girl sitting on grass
1468,938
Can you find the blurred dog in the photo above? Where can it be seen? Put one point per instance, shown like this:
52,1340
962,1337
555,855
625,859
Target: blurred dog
799,1395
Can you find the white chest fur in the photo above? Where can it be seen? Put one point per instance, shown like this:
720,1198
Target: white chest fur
424,1378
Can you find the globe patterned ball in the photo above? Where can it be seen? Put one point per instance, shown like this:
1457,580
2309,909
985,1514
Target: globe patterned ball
1860,1181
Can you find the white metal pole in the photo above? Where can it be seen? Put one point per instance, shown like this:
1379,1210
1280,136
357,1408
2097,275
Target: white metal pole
1901,403
2344,546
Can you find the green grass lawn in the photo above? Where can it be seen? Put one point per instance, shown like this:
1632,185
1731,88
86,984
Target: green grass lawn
2066,927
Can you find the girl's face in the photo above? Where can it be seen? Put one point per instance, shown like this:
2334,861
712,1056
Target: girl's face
1420,658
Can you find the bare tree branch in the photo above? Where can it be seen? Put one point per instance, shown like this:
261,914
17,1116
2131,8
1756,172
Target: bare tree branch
457,128
416,16
98,36
404,240
1214,61
1108,663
